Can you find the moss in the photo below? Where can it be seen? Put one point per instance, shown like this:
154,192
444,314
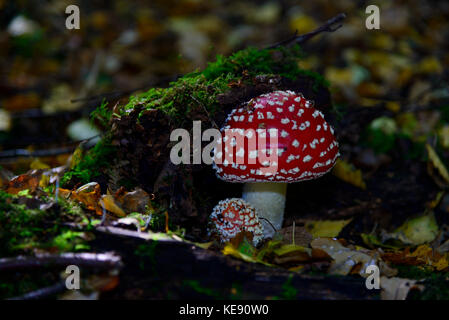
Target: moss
197,287
435,288
202,87
102,114
416,272
91,165
22,229
69,241
289,292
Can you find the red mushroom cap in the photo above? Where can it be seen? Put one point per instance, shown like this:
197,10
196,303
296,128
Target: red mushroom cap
232,216
306,147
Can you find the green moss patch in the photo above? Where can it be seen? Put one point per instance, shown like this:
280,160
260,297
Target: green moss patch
23,229
202,87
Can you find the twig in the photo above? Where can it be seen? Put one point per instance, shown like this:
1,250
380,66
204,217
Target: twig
15,153
43,292
275,230
326,27
85,259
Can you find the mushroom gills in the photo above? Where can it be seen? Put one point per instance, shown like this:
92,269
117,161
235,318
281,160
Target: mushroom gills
269,200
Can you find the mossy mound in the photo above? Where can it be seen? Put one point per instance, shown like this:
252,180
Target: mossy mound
203,87
200,95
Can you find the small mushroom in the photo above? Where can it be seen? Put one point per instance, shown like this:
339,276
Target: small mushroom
232,216
306,149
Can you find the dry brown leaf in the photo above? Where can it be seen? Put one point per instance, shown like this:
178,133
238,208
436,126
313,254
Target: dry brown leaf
27,181
89,195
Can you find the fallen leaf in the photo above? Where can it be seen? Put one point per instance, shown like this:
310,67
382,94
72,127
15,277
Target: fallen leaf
27,181
416,231
435,162
229,249
38,164
325,228
137,200
291,253
349,174
89,195
108,202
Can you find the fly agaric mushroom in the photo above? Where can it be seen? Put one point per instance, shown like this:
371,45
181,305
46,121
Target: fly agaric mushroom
232,216
304,148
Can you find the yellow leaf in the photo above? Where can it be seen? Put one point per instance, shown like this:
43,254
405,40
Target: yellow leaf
289,248
349,174
419,230
108,203
38,164
393,106
326,228
435,202
204,245
44,181
436,163
302,23
76,157
443,134
430,65
229,249
441,264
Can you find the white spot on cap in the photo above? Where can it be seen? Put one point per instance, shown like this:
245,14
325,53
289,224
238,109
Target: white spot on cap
295,143
307,158
295,126
285,120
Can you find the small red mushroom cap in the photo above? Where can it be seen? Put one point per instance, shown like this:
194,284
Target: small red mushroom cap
232,216
306,148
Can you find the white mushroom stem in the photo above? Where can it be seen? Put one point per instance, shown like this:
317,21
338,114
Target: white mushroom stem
269,200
